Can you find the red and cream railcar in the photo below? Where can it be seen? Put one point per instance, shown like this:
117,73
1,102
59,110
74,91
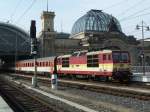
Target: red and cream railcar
106,63
44,65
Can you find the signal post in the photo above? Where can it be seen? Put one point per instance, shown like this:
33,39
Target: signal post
34,50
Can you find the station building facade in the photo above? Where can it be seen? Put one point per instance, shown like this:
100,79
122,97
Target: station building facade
95,30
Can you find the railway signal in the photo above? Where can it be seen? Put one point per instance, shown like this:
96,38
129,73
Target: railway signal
34,50
33,38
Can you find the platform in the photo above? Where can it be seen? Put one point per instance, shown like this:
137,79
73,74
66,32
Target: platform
139,77
4,107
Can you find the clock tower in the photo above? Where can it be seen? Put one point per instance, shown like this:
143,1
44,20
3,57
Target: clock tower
47,21
47,36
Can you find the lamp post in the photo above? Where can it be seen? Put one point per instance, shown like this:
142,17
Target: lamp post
142,26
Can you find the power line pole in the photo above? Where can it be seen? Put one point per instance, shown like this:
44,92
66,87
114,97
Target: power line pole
47,5
142,26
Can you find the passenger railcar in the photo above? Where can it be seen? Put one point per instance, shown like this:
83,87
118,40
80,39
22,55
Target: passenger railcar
44,65
104,63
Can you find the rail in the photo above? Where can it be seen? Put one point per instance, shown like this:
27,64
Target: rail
21,100
125,91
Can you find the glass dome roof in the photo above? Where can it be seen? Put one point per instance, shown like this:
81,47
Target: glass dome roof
96,20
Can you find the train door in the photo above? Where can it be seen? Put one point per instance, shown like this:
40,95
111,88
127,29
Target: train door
107,63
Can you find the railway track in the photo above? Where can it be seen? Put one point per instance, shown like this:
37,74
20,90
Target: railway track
20,99
102,88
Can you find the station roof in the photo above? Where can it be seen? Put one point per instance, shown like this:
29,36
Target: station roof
12,39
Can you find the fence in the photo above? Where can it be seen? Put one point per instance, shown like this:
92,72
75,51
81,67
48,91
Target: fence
139,69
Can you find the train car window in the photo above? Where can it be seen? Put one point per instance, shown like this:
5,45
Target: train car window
104,57
109,56
46,63
92,61
65,62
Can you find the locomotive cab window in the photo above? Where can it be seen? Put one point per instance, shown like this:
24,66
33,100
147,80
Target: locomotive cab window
125,57
92,61
120,57
65,62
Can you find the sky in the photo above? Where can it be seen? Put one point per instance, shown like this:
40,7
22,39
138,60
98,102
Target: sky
128,12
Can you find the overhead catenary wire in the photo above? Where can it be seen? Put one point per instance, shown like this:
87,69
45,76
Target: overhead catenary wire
137,16
130,16
30,6
115,4
132,7
15,9
133,31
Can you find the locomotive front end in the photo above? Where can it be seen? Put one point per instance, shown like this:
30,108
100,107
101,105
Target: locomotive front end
121,66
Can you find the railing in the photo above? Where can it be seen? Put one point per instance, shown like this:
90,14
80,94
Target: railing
139,69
